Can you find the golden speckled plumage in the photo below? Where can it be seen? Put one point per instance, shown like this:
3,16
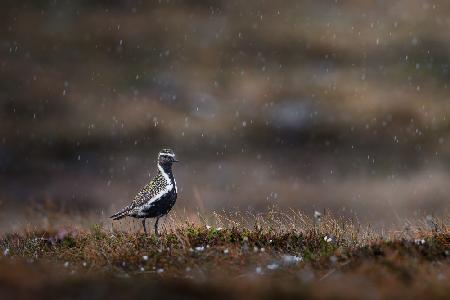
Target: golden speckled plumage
150,190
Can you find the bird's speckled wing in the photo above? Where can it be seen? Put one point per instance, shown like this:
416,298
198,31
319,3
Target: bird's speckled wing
149,191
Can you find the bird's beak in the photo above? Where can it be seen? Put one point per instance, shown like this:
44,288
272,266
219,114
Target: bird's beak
175,160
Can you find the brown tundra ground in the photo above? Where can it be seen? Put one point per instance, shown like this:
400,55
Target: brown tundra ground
274,255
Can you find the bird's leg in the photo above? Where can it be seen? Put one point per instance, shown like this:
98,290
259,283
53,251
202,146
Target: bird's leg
156,226
145,228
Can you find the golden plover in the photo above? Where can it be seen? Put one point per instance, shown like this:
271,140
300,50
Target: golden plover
158,197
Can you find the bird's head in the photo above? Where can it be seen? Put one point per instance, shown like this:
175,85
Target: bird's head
166,156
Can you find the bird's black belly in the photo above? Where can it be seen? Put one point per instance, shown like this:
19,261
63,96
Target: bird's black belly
162,206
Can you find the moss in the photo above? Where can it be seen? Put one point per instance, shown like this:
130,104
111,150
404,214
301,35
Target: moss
194,251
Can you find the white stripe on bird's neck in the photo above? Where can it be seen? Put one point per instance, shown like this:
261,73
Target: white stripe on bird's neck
161,193
167,177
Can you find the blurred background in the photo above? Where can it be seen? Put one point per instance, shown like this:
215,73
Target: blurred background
312,105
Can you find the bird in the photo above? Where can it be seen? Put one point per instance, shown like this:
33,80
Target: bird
158,197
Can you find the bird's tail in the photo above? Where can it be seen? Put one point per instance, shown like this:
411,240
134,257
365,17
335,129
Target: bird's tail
121,214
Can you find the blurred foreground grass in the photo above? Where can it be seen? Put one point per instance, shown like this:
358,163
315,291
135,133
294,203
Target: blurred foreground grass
280,256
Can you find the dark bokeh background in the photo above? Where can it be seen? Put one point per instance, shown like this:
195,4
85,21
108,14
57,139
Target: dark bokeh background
311,105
